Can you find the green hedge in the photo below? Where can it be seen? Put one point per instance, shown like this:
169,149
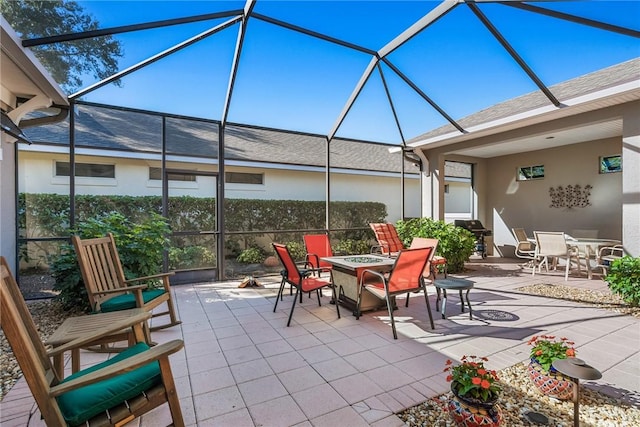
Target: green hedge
47,215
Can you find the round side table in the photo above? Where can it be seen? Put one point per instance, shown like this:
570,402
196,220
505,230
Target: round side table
453,285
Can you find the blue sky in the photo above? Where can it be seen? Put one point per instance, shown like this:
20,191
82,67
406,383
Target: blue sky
292,81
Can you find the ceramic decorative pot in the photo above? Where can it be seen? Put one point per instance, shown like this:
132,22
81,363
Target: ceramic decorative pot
470,412
551,383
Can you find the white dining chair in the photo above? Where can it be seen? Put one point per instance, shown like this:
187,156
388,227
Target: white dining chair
552,245
525,248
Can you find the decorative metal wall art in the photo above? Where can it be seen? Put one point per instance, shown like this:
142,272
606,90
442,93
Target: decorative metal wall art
571,196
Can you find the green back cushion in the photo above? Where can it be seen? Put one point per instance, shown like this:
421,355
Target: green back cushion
83,403
127,301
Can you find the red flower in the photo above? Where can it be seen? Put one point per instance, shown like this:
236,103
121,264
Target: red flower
476,380
485,384
482,371
571,352
448,362
538,353
449,378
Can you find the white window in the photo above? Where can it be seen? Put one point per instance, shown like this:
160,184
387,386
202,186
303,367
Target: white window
156,174
244,178
528,173
89,170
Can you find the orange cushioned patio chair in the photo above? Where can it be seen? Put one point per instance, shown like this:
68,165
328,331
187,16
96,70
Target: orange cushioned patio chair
406,276
110,393
317,246
303,282
389,243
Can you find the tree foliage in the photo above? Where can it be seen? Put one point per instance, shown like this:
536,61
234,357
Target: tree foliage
67,62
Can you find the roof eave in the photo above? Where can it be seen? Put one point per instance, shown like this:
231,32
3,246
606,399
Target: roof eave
30,67
614,95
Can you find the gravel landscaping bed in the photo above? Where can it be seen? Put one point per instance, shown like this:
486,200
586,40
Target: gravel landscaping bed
47,315
520,396
600,299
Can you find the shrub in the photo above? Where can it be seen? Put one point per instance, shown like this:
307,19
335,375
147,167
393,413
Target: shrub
253,255
624,279
454,243
297,251
190,257
352,247
140,246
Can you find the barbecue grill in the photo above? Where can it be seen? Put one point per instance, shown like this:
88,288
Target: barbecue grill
478,230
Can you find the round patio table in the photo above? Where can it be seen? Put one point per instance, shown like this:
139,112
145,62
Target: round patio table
453,285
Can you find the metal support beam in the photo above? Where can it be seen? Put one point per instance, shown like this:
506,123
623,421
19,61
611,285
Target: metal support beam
126,28
572,18
393,108
494,31
431,17
327,191
156,57
423,95
220,220
248,8
313,33
356,91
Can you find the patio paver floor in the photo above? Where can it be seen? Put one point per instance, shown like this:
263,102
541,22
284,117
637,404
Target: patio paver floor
242,366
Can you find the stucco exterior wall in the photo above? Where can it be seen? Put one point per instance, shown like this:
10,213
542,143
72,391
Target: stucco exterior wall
527,203
458,199
132,178
7,202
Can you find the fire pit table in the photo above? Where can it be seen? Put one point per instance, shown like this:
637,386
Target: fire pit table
346,276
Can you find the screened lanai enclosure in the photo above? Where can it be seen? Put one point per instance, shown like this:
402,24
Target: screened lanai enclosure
244,123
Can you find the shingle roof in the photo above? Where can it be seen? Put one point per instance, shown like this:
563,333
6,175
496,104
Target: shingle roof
602,79
101,127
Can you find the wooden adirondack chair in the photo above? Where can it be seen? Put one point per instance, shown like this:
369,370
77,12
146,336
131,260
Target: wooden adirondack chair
107,287
110,393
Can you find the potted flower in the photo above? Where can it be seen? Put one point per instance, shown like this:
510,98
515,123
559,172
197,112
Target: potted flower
476,391
545,349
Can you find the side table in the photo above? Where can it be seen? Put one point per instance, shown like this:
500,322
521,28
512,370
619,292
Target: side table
453,285
78,327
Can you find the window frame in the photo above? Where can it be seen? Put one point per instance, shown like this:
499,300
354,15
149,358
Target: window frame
521,175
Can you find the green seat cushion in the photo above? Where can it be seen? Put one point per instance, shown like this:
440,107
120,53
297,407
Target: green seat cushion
79,405
127,301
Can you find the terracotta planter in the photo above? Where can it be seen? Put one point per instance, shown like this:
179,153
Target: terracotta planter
553,384
469,412
271,261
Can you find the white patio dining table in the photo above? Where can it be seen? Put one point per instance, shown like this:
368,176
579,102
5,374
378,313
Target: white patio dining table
589,247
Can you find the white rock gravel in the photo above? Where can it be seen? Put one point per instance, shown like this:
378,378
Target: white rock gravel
47,315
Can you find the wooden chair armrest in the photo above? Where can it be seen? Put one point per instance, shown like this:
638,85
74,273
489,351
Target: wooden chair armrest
121,290
99,333
158,352
154,276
